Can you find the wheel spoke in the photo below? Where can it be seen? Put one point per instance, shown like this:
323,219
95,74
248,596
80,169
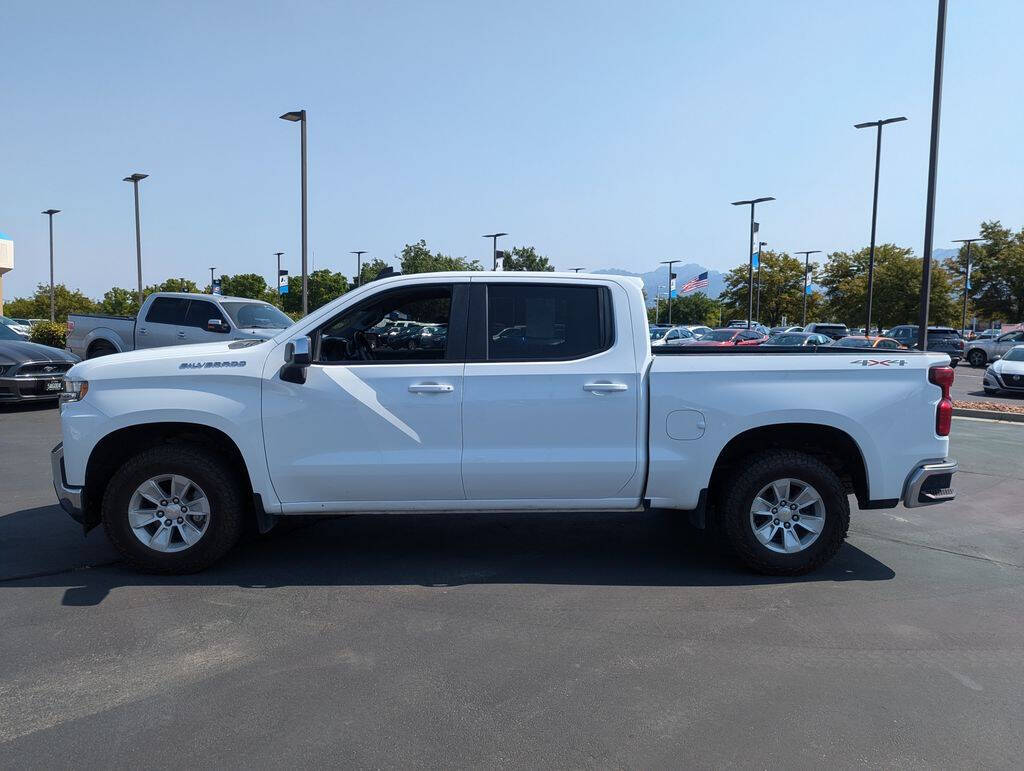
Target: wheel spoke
807,496
790,540
762,507
151,491
766,532
180,486
189,532
142,517
200,506
781,488
811,524
161,538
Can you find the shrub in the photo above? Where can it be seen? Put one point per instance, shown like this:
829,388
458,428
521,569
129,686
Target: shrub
49,333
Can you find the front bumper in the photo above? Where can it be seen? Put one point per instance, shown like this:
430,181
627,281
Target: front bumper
70,497
1004,383
930,483
29,388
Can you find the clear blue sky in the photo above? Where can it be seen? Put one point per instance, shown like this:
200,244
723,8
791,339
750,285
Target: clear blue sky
607,134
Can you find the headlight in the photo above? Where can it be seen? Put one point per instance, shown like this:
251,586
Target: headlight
74,390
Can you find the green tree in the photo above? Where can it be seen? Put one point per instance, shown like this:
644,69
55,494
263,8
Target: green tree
695,308
526,258
250,285
324,285
118,301
172,285
38,305
370,270
782,288
417,258
896,291
997,273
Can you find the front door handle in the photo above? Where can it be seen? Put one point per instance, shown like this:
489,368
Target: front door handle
605,387
143,331
431,388
181,335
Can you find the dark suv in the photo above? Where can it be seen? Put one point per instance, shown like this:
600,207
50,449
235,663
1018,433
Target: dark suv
835,331
940,339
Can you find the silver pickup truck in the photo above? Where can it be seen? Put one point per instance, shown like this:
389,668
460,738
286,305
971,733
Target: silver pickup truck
174,318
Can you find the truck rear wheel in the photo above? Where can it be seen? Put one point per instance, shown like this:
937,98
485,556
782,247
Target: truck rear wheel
173,509
786,513
100,349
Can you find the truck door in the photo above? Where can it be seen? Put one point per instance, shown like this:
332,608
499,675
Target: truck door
551,393
164,319
196,327
372,422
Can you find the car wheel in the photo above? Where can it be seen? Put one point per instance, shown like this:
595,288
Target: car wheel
100,349
786,514
174,509
977,358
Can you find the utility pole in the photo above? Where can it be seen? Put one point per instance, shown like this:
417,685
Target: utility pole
671,286
807,270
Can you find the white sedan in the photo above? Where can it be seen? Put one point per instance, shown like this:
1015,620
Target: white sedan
1006,373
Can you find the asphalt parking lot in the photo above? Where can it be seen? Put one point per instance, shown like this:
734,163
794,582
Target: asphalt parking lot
967,387
586,640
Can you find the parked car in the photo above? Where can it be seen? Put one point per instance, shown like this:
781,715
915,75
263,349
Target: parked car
862,341
575,415
1006,373
940,339
980,352
675,336
698,330
726,337
29,371
779,330
798,338
834,331
742,324
22,330
174,318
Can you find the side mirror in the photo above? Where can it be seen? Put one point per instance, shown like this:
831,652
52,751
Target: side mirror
217,325
297,358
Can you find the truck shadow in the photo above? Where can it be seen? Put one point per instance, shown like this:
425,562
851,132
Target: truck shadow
431,550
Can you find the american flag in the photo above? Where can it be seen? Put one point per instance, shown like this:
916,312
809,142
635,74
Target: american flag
697,282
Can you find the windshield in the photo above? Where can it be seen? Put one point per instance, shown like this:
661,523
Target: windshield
6,333
719,335
786,340
256,316
853,342
1014,354
830,329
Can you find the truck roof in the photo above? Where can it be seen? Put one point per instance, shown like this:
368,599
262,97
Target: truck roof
216,298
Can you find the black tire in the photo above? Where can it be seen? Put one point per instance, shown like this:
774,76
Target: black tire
761,469
977,358
219,481
100,349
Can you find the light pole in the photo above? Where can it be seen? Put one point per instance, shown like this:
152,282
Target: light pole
277,286
299,116
494,247
759,245
750,252
657,303
933,163
967,276
211,278
135,179
874,207
576,270
53,304
807,270
359,264
671,286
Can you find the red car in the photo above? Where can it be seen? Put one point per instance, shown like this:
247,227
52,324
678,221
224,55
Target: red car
721,337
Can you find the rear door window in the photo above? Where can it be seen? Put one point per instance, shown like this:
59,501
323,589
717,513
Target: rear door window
167,310
538,322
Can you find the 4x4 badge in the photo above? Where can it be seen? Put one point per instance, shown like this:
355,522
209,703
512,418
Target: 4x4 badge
880,362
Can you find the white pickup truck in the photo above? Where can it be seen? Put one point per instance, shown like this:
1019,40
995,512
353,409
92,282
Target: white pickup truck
174,318
172,449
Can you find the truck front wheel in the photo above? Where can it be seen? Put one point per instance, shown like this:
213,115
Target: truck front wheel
786,513
174,508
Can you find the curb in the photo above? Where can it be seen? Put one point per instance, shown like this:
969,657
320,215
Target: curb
1009,417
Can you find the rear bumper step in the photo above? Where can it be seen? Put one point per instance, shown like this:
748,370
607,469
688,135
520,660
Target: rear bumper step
930,483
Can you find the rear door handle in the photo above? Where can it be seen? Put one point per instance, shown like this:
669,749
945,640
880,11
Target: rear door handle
431,388
181,335
605,387
143,331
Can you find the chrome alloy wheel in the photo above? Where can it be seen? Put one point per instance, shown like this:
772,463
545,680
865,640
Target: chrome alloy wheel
787,515
169,513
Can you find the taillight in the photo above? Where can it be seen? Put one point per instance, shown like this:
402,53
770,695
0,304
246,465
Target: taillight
71,326
943,378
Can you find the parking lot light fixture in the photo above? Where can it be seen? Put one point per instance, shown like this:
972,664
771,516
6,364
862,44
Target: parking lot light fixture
807,270
967,276
359,264
750,252
53,304
874,204
135,179
299,116
494,247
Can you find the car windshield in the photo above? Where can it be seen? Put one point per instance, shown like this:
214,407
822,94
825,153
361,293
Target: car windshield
719,335
6,333
786,340
1014,354
256,316
831,329
853,342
